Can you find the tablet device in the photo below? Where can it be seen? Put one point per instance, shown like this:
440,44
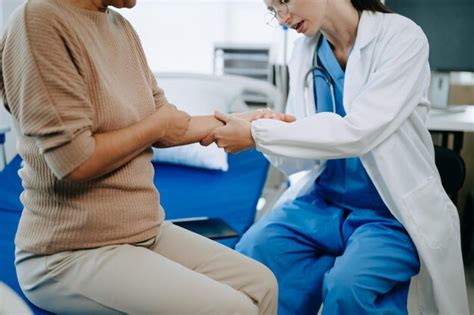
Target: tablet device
213,228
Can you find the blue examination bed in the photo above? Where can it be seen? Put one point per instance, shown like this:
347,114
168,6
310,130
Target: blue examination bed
185,192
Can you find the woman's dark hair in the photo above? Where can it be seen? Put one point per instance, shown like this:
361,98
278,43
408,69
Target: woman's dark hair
370,5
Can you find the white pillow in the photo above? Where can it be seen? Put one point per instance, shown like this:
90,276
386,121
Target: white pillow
195,155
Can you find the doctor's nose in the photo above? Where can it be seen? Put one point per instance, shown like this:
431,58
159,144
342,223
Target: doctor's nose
284,19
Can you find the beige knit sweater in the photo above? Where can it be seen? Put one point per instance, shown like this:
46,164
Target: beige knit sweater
68,73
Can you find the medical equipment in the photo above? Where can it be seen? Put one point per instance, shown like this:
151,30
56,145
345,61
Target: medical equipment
321,73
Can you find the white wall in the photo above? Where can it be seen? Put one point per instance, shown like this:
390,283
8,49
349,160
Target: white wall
179,35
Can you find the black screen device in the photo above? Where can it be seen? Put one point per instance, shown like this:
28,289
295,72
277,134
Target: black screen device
213,228
449,26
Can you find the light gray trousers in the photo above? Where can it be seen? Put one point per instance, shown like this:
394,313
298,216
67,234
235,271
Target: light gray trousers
179,272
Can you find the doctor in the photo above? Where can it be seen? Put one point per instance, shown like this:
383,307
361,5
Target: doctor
369,212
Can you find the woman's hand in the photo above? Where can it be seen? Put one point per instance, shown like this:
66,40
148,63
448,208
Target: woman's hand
173,123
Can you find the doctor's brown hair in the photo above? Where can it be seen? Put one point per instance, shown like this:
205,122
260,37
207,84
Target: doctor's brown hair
370,5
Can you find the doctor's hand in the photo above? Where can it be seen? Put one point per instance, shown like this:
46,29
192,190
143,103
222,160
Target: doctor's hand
265,113
234,137
173,124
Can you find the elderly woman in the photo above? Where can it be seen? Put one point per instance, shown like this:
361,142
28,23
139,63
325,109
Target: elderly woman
91,237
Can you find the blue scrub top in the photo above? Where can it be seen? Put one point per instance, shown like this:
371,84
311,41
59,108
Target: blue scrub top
344,182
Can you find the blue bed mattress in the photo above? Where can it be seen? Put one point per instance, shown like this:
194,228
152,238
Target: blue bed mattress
185,192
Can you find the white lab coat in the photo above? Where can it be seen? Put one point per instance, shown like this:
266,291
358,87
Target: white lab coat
385,98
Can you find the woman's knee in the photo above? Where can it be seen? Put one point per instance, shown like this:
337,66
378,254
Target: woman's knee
269,281
262,286
263,277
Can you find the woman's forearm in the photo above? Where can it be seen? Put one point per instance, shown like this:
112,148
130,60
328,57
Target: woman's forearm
199,128
116,148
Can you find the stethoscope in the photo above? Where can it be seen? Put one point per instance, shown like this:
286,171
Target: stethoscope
317,71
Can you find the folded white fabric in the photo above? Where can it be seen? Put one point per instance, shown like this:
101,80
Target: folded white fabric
194,155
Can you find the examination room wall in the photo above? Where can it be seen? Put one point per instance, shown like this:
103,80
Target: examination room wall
179,35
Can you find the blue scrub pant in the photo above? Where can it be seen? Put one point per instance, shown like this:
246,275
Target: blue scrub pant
354,262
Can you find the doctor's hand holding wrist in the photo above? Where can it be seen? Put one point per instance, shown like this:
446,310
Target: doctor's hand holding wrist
236,135
265,113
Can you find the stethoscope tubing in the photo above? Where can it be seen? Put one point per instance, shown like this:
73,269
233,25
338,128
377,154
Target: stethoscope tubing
327,78
323,73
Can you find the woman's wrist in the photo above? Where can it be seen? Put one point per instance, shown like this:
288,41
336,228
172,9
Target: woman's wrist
157,126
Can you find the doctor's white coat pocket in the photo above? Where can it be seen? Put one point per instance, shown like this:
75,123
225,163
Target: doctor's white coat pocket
438,225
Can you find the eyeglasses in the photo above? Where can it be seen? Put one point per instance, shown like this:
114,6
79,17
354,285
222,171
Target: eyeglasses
273,15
